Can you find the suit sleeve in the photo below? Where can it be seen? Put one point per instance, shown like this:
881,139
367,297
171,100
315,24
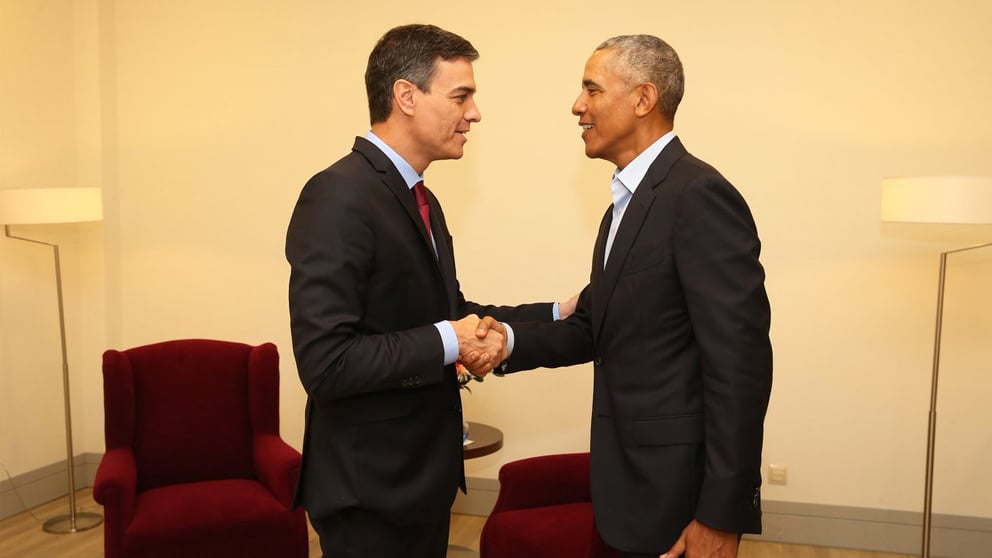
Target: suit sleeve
531,312
550,345
331,249
716,251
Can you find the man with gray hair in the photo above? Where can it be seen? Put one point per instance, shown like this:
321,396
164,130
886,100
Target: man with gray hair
675,319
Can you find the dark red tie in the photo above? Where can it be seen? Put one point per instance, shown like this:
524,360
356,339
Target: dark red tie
420,193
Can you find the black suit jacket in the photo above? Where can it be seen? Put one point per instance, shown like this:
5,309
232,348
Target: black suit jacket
383,415
677,327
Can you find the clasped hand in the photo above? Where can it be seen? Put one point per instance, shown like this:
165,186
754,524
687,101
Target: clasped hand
481,343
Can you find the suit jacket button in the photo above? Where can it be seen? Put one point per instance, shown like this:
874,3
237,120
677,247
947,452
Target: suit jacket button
598,361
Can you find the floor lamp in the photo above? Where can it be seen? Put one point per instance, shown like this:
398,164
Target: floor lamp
23,206
938,199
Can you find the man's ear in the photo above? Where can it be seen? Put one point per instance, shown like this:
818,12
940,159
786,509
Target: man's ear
403,96
647,99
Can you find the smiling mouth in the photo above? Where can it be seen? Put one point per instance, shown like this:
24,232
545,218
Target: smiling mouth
585,126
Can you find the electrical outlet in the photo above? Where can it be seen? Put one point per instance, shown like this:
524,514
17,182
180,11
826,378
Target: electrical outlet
778,474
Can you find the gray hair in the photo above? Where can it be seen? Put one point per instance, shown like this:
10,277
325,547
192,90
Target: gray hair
648,59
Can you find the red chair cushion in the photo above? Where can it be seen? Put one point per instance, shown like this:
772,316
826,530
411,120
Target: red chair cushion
215,518
562,531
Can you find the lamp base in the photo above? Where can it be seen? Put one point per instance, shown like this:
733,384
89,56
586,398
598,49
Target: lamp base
62,524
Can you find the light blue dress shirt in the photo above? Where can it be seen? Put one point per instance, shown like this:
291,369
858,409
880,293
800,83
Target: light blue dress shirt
410,176
625,183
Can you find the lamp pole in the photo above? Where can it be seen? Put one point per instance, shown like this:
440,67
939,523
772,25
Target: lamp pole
73,522
932,423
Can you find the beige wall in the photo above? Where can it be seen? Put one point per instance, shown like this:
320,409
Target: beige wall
203,120
48,138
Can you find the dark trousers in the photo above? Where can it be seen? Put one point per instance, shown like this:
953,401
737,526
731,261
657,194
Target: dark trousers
357,533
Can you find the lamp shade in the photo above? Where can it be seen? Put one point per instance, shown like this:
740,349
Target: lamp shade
937,199
28,206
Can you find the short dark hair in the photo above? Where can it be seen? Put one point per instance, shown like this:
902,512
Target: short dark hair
409,52
648,59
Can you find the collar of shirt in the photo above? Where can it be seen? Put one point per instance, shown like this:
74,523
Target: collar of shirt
406,171
630,176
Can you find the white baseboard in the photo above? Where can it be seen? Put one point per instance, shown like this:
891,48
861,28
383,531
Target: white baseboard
45,484
480,499
874,529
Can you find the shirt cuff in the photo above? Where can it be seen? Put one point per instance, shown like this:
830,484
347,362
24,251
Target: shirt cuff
449,340
555,313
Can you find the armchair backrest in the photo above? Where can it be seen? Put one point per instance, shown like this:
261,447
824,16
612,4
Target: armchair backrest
190,409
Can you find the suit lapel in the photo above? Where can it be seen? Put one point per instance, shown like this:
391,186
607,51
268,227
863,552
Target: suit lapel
392,179
630,226
596,277
445,253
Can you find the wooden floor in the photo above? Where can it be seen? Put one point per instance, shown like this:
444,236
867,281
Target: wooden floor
21,536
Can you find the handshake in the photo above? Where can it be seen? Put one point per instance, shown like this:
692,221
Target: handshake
481,344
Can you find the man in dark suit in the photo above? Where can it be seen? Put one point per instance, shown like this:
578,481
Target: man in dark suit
675,320
377,316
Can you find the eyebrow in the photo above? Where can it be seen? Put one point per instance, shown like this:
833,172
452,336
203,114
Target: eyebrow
462,89
591,83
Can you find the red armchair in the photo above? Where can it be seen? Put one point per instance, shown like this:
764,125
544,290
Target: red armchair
194,463
544,509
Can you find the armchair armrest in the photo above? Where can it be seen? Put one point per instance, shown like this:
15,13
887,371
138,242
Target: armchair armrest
277,466
116,485
543,481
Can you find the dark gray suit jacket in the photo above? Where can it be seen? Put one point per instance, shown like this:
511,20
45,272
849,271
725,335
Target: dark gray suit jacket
677,327
383,416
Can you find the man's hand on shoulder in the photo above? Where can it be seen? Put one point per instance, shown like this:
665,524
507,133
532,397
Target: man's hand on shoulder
567,308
